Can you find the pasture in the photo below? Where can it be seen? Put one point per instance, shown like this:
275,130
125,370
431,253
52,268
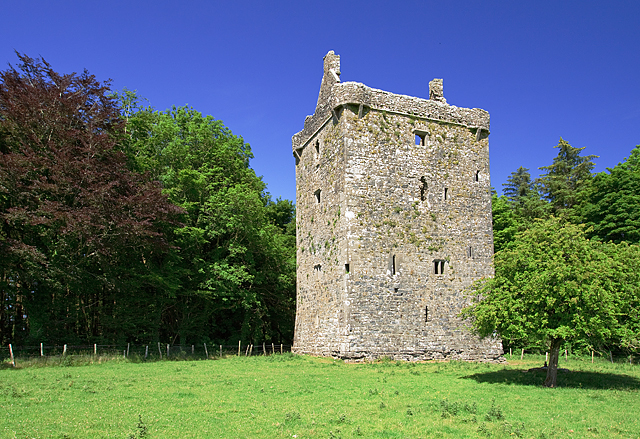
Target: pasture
287,396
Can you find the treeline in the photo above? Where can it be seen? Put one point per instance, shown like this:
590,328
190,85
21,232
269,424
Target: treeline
567,257
119,223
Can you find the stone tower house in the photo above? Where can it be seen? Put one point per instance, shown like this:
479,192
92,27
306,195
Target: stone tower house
393,223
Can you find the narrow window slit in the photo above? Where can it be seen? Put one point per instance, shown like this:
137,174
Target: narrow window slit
317,194
426,313
445,193
393,265
346,268
477,175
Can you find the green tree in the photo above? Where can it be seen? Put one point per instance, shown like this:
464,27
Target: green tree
553,285
612,206
237,269
567,180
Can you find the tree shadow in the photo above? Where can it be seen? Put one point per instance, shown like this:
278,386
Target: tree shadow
572,379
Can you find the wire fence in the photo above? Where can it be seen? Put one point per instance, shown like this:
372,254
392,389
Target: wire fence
151,352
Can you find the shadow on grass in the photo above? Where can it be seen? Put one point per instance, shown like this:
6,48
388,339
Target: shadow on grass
572,379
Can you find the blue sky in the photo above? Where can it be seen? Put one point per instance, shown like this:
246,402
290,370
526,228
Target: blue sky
543,70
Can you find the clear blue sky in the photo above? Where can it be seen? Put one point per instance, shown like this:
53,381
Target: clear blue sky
543,70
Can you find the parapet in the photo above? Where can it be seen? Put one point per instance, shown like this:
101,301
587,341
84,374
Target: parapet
335,94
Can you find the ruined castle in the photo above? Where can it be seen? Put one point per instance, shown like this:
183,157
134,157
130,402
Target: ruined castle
393,223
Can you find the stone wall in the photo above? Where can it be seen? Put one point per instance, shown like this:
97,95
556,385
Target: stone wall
393,223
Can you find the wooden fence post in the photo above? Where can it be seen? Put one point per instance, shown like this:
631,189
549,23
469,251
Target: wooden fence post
193,349
273,349
264,349
251,350
128,344
522,354
95,349
239,347
13,360
220,351
167,351
246,353
159,350
64,350
41,350
206,352
146,352
280,347
509,352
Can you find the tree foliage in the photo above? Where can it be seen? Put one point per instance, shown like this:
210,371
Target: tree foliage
567,179
120,223
612,205
552,285
71,213
237,246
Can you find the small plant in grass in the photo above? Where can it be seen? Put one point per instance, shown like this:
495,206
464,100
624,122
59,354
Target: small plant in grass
141,429
382,405
494,413
483,430
373,392
291,416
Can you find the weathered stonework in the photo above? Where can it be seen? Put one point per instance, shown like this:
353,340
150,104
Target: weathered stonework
393,223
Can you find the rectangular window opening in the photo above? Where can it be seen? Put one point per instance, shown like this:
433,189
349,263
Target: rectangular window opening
423,187
395,290
393,265
445,193
346,268
317,194
438,266
426,313
420,139
442,267
318,147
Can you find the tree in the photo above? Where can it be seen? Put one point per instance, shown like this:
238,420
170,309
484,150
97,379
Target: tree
553,285
612,205
72,215
566,180
519,185
236,247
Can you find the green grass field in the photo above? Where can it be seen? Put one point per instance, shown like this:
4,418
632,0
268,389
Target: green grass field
285,396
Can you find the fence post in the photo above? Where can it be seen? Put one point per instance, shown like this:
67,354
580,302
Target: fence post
64,350
128,344
592,355
146,352
13,360
239,347
206,352
522,354
610,357
273,349
167,351
41,350
193,349
264,349
220,351
95,349
280,347
159,350
509,352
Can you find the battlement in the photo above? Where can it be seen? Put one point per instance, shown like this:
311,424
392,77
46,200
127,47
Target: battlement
335,95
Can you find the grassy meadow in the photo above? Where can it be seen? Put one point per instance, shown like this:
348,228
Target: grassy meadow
287,396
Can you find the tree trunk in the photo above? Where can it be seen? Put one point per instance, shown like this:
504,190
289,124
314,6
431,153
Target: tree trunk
552,369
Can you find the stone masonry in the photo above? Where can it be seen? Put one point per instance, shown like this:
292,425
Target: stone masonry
393,223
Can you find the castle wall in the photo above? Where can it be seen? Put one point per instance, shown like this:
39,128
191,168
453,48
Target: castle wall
402,226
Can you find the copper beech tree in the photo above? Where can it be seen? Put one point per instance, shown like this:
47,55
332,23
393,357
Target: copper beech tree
81,236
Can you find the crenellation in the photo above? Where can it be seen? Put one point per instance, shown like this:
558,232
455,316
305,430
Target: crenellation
394,221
